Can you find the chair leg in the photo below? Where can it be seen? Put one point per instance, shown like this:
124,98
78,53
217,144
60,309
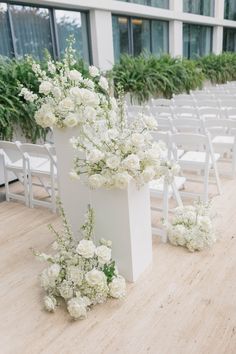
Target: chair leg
31,204
7,191
176,194
53,194
233,162
217,178
165,209
206,182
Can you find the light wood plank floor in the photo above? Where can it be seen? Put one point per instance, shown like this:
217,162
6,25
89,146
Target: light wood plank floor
184,304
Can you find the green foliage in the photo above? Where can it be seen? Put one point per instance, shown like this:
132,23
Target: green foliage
219,68
110,270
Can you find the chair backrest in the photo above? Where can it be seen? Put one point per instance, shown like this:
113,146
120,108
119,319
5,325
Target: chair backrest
164,137
162,112
228,103
160,102
187,125
190,142
217,126
183,102
185,112
10,151
135,109
204,96
208,103
164,124
209,113
37,155
231,113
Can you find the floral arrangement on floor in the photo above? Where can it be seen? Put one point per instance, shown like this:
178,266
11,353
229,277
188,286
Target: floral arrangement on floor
80,273
65,97
192,227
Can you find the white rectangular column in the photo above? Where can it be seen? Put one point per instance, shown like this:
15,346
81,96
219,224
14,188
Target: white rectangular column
217,45
101,39
176,38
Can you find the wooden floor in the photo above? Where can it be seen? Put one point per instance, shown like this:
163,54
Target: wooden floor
184,304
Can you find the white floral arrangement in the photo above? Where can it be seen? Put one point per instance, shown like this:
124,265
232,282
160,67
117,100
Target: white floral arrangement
79,273
192,227
65,97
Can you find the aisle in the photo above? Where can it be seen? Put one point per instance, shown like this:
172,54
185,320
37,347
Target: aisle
184,304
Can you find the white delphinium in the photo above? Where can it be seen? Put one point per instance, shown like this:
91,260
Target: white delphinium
94,71
28,95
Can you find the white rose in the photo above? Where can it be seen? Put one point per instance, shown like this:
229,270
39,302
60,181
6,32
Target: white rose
75,274
45,117
54,270
150,122
113,162
96,181
66,105
117,288
93,71
75,75
137,139
89,98
71,120
95,278
66,290
45,87
148,174
56,91
89,113
122,180
50,303
104,254
103,83
77,308
86,248
95,156
131,162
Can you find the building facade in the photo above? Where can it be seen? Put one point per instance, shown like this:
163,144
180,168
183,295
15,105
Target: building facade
105,29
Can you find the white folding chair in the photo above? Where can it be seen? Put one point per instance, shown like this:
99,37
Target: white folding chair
187,125
227,103
209,113
223,135
185,113
207,103
161,111
161,189
41,165
164,124
136,109
230,113
14,162
160,102
188,101
198,156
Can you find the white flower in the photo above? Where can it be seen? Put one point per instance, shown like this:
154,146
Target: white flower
77,308
93,71
56,92
89,83
113,133
137,139
28,95
117,288
95,156
104,254
75,75
50,303
75,274
66,105
95,278
45,87
113,162
103,83
54,270
150,122
131,162
86,248
122,180
89,113
148,174
66,290
51,67
96,181
71,120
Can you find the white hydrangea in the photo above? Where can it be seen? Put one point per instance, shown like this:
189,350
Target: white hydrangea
117,287
66,290
77,308
50,303
86,248
113,162
131,162
104,254
75,275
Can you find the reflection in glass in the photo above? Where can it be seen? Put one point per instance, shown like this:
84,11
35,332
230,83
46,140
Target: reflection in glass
120,36
229,41
197,40
160,37
199,7
72,23
141,35
31,30
155,3
230,10
5,35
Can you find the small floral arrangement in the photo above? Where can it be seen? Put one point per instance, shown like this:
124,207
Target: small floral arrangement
79,273
192,227
65,97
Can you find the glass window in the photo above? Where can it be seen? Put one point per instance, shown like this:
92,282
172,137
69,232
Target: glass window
120,36
159,36
72,23
141,35
155,3
229,41
199,7
230,10
197,40
5,37
32,31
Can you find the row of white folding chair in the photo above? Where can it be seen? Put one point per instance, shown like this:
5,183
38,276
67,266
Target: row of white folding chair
189,112
27,162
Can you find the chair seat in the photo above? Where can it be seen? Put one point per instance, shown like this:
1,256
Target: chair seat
41,167
16,165
223,139
157,186
196,157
